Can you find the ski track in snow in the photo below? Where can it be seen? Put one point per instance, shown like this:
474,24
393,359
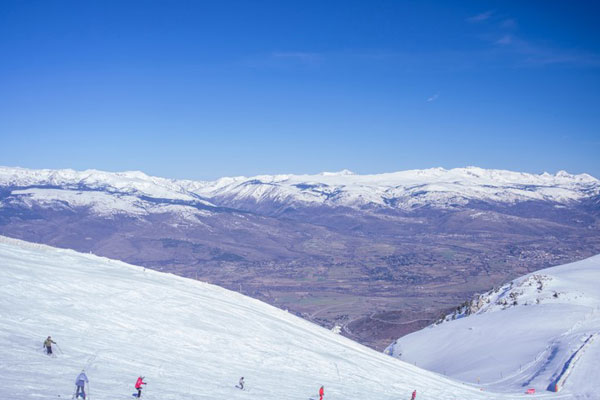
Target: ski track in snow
189,339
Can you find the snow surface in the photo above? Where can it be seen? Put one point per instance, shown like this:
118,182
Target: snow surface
404,190
519,335
103,203
191,340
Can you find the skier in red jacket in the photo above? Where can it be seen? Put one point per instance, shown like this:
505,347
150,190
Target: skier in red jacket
414,395
138,385
321,393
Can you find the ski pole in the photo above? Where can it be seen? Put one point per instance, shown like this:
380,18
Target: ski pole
59,349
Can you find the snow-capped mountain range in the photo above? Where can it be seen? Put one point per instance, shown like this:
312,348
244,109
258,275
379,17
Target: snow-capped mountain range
541,330
405,190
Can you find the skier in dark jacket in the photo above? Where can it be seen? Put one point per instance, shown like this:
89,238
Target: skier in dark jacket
241,384
138,385
48,345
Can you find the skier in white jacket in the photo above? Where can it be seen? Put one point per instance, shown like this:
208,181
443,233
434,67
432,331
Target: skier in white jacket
81,380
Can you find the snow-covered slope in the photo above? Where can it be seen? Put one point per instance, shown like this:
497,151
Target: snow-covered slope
405,190
530,332
190,340
106,203
104,193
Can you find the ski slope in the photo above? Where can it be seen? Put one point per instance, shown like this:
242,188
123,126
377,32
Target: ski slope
190,340
539,331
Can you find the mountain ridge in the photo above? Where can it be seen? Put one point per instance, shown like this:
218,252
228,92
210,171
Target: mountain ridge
403,190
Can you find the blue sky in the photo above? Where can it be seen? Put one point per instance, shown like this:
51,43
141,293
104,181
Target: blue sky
199,90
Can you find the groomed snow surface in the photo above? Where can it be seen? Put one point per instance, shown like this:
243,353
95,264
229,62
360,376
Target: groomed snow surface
527,334
190,340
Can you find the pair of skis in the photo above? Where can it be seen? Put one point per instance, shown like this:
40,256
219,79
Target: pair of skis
244,388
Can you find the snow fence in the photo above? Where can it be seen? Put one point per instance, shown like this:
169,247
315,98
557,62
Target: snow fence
558,384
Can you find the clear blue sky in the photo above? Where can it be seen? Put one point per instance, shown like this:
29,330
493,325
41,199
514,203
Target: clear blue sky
195,89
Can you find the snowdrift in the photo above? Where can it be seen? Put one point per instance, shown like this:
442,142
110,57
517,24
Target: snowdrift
190,340
537,331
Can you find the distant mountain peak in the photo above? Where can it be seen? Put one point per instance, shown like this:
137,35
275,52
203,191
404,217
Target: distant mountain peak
344,172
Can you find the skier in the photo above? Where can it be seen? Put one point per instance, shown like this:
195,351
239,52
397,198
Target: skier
414,395
81,380
138,385
241,384
321,393
48,345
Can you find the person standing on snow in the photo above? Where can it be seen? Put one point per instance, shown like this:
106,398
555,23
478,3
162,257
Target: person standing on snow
138,385
81,380
48,345
241,384
321,393
414,395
